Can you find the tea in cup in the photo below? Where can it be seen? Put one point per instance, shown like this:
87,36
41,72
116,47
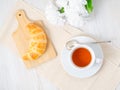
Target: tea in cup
82,56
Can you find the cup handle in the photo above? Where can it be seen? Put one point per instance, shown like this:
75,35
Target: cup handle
98,60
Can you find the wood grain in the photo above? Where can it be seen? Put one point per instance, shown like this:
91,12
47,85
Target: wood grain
21,38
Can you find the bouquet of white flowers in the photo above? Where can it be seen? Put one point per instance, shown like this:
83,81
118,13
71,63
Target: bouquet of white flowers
72,12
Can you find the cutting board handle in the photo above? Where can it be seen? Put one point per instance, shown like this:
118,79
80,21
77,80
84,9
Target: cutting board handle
21,17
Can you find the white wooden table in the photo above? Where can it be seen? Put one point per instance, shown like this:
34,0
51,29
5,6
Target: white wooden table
14,79
10,78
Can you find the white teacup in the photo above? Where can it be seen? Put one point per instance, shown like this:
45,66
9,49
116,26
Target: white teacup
73,46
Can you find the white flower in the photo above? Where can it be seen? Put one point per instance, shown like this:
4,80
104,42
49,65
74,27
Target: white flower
75,20
53,16
74,12
83,12
61,3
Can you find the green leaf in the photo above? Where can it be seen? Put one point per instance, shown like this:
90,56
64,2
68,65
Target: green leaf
61,10
89,6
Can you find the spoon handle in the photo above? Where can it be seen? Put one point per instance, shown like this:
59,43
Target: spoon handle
72,43
100,42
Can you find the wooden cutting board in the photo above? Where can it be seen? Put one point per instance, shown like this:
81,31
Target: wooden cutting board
21,38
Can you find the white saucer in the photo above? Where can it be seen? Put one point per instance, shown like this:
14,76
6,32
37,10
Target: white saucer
79,72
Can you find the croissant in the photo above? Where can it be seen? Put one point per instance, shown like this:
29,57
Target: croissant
37,43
